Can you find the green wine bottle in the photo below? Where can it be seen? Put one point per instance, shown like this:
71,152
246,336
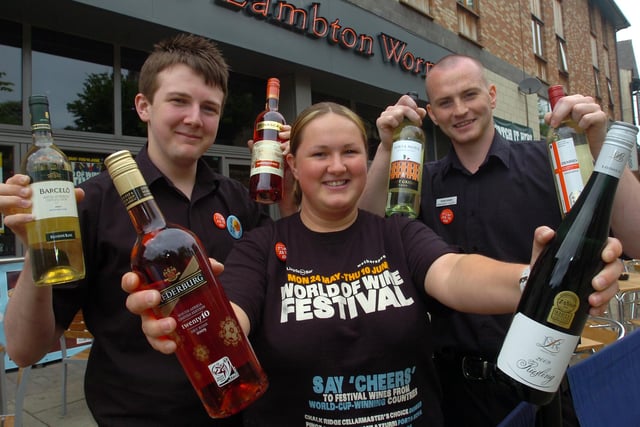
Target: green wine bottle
554,306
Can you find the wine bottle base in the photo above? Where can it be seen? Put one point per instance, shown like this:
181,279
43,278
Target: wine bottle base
58,275
233,400
266,197
403,211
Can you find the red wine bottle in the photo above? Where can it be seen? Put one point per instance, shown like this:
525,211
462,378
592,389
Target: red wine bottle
266,182
554,306
212,348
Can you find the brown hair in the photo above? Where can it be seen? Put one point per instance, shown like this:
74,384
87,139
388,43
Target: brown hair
307,116
198,53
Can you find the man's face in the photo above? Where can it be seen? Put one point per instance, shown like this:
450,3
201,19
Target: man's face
183,119
461,102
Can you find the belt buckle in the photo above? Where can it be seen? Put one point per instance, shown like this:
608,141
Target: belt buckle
475,368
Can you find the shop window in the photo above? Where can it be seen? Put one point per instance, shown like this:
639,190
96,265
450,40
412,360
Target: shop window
369,115
610,92
592,18
596,82
76,74
131,62
544,107
605,30
10,73
562,56
537,33
541,69
594,51
423,6
7,238
536,8
558,20
470,4
468,19
246,99
85,165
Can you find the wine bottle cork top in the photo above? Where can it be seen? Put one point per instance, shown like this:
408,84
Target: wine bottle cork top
39,112
273,88
555,93
413,94
120,162
38,99
622,134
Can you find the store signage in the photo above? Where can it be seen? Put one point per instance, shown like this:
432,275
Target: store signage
311,23
513,131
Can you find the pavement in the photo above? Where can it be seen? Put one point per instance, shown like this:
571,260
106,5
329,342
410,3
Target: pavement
43,399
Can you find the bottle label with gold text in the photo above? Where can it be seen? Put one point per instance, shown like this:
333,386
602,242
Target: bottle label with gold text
267,158
269,124
565,306
536,355
181,283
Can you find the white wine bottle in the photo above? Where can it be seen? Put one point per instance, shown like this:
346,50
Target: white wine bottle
554,306
55,244
570,156
405,170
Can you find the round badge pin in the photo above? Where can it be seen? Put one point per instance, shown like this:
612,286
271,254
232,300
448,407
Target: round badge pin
219,221
234,227
446,216
281,251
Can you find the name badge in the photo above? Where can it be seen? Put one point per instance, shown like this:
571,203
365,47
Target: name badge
446,201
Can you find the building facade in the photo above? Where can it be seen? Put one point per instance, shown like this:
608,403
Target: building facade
85,56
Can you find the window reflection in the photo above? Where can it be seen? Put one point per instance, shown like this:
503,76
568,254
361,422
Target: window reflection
76,75
10,73
245,101
131,61
7,238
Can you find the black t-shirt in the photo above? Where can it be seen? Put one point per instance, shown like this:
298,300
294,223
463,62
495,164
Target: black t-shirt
127,383
339,321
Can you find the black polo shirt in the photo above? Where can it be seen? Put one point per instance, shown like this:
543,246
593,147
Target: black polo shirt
126,380
492,212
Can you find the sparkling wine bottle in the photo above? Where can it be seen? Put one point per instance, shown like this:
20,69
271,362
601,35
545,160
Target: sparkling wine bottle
267,163
571,161
55,244
405,170
212,348
554,306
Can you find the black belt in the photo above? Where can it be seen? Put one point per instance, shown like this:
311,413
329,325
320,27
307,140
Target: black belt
472,367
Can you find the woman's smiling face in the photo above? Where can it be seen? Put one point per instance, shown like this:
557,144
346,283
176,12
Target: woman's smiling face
330,165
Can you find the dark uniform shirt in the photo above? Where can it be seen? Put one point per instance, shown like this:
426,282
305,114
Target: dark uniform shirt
493,212
126,381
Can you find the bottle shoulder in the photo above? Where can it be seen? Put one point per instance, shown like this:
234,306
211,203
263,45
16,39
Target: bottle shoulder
568,129
270,116
410,131
45,157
